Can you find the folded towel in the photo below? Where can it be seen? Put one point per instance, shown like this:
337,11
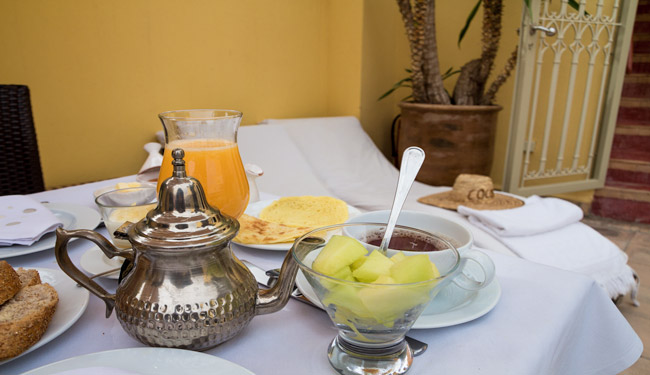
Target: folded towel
24,221
567,244
537,215
151,168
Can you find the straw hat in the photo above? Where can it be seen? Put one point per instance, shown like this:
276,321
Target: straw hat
474,191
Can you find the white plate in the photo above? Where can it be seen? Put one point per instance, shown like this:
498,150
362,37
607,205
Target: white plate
255,208
73,216
94,261
480,304
145,361
73,301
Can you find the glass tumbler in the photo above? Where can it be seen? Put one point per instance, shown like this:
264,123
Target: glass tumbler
122,205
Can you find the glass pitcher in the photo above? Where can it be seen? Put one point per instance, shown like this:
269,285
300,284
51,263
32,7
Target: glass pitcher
209,139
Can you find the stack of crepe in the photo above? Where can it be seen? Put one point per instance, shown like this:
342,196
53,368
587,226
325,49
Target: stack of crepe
288,218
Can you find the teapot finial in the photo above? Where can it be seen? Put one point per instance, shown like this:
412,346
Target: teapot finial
179,164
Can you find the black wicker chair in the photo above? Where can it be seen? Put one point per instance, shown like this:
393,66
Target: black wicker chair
20,171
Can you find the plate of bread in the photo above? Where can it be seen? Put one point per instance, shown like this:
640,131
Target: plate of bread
36,306
274,224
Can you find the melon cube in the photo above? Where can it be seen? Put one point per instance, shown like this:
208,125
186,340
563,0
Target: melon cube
344,273
413,269
377,264
384,279
346,300
357,263
388,303
436,273
339,252
397,257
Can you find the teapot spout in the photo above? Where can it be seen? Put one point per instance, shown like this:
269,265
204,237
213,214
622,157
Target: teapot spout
275,298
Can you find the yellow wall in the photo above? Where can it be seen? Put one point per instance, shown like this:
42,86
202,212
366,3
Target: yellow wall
345,41
100,71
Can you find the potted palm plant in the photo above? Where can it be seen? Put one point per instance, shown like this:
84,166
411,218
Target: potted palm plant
456,130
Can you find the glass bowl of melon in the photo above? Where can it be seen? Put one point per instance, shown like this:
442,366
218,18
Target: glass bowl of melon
374,297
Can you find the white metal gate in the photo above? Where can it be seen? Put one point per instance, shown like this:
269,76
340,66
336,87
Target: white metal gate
568,85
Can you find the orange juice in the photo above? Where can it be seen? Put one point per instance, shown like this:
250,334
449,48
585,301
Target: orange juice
217,165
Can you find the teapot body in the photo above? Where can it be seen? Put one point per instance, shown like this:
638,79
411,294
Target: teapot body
184,287
193,299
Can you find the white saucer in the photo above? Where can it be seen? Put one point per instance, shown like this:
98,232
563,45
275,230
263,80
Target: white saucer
145,361
478,305
73,216
94,261
255,208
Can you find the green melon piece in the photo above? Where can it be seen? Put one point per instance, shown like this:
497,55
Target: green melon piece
339,252
413,269
436,273
389,303
384,279
357,263
397,257
344,273
377,264
347,302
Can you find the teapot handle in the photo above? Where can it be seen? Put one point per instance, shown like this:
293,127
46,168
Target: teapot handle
63,259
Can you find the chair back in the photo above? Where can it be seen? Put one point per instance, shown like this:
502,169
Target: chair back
20,171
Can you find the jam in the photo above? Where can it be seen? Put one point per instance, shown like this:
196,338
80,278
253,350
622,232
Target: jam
408,242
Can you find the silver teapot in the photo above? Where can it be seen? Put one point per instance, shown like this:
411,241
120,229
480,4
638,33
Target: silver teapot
185,288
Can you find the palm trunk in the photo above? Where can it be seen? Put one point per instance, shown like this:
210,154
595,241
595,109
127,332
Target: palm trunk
473,77
431,68
419,22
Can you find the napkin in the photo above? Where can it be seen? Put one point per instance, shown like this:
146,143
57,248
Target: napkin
151,168
549,231
24,221
537,215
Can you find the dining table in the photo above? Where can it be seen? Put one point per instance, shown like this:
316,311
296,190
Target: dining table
546,321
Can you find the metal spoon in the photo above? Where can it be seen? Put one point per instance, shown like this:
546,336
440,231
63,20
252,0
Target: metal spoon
105,273
412,160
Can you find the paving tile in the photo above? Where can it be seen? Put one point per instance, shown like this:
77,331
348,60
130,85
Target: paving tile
641,367
602,222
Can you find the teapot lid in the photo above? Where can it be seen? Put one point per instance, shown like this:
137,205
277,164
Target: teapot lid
183,219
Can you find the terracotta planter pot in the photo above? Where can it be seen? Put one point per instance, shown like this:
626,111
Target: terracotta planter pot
456,139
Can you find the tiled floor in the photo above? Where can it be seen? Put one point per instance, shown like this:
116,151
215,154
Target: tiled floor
634,239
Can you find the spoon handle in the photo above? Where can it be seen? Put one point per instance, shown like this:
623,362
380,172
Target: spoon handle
412,160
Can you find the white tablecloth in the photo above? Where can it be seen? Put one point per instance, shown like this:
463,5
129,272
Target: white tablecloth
548,321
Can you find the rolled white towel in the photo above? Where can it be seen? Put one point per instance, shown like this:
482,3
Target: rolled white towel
548,231
537,215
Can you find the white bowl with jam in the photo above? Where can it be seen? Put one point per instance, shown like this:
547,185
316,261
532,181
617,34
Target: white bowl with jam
455,233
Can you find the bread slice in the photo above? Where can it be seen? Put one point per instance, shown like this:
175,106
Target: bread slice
28,277
9,282
24,318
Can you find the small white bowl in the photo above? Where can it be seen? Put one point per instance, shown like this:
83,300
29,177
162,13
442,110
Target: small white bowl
458,235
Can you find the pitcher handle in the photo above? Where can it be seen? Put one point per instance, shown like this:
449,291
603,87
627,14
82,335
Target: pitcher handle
63,259
485,264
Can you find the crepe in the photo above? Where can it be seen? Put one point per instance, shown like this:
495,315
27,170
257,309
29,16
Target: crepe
256,231
306,211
